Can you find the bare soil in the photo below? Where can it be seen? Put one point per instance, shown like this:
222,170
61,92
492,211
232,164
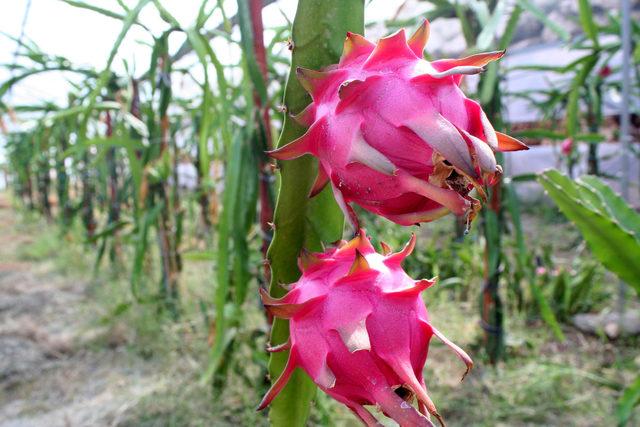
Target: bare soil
50,374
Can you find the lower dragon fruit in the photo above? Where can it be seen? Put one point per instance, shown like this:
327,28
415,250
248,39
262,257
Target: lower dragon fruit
360,330
395,134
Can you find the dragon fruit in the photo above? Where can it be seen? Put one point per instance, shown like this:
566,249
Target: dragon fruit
360,330
395,134
566,148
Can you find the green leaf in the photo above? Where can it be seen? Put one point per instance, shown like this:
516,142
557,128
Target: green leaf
573,107
109,230
467,31
199,256
205,127
74,111
199,47
123,142
615,205
540,133
615,247
629,400
244,218
225,232
542,17
135,165
166,15
223,88
510,28
581,287
554,68
318,35
136,124
104,76
141,244
586,20
7,85
246,32
524,177
591,138
489,83
485,38
480,9
93,8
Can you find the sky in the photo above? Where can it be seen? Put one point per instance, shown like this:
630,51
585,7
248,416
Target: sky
86,37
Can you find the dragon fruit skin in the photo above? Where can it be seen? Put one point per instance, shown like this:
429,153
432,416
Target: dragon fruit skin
395,134
566,148
360,330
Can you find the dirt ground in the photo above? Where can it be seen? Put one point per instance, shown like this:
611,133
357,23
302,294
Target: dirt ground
49,374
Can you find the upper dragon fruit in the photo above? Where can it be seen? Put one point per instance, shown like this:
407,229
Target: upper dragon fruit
395,134
360,330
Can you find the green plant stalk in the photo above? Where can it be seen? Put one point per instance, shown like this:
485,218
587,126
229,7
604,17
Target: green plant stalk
62,184
42,177
244,218
87,197
29,187
318,33
251,29
62,187
513,206
233,269
629,400
202,157
594,95
573,110
491,310
594,120
44,183
114,198
111,199
168,240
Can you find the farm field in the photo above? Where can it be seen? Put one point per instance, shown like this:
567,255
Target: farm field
67,358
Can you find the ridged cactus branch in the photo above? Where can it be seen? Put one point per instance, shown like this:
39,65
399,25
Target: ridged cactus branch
319,30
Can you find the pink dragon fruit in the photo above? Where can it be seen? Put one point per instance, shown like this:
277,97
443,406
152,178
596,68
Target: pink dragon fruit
395,134
360,330
566,148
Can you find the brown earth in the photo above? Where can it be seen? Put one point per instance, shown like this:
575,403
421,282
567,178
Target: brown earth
49,373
